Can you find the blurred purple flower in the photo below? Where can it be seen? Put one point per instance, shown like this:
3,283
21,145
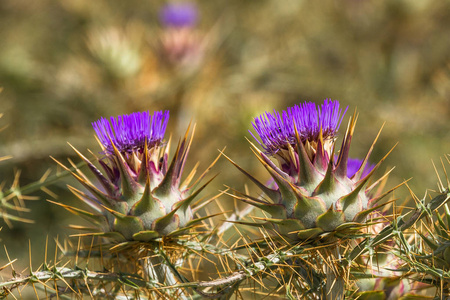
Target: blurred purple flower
182,14
129,133
276,130
353,166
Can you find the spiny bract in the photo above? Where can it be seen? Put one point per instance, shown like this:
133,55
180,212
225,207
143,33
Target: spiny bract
438,241
314,191
142,197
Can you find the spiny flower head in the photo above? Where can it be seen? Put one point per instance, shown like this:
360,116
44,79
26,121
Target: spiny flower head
182,14
141,196
314,191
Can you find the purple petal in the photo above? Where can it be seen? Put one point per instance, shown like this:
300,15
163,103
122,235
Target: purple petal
353,166
129,133
277,130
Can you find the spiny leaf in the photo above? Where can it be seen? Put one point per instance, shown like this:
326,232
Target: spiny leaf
272,194
106,183
260,225
96,219
427,241
199,179
276,210
102,197
184,204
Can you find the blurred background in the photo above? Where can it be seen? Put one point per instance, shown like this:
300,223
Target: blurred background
65,64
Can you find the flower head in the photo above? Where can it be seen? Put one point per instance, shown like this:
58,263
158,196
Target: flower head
129,133
179,15
313,191
277,130
139,194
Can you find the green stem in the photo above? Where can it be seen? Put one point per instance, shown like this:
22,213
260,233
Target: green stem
159,269
67,273
334,289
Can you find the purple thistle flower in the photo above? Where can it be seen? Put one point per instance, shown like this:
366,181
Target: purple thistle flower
353,165
179,15
129,133
276,130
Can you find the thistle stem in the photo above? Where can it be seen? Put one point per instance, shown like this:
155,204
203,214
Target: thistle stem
334,289
159,270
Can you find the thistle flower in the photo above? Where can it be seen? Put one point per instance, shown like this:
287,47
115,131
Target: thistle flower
180,44
179,15
313,192
142,196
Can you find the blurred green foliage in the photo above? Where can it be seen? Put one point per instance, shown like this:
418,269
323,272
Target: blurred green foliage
65,64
